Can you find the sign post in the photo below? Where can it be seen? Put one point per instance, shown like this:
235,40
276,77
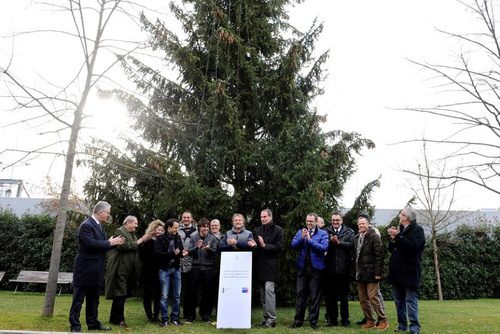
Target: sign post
234,309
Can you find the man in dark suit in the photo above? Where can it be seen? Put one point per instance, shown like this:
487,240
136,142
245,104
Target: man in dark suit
88,270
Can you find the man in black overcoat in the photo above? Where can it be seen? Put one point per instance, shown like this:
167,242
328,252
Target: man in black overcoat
88,270
269,239
406,245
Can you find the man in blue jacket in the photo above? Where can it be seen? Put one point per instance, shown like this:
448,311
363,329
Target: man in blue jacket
88,270
406,246
312,243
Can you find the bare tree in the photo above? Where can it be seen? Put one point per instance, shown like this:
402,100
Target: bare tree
469,86
65,104
436,196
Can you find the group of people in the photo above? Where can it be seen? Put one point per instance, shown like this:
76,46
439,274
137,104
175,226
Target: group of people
184,254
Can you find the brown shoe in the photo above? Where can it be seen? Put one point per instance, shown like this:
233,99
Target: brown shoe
369,324
382,325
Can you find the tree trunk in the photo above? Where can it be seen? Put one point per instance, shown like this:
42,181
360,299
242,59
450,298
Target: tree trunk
55,257
435,253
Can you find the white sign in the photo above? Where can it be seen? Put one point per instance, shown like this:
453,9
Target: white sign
234,309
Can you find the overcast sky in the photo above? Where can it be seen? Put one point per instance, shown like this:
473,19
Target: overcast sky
369,74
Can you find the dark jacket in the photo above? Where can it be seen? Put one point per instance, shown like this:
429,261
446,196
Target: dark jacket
267,259
165,247
93,244
203,258
338,257
185,234
241,237
406,251
370,261
148,275
122,271
318,245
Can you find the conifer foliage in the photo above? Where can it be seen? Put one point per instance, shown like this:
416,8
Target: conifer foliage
228,124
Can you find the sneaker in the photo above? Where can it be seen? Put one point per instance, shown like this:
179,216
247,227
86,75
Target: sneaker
314,326
369,324
164,324
176,322
270,324
188,321
382,325
295,325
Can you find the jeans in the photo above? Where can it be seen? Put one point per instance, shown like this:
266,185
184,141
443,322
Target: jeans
171,276
406,300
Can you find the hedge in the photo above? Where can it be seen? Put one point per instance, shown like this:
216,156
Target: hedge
470,261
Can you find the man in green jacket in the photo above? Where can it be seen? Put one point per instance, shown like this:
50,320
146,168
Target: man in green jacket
122,270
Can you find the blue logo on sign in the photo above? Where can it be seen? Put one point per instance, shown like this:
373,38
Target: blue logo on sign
244,290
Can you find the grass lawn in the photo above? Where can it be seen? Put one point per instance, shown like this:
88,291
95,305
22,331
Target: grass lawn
22,312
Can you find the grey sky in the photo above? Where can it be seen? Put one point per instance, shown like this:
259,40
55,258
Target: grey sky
369,41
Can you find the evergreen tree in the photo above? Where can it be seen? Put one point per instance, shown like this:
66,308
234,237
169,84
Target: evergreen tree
235,131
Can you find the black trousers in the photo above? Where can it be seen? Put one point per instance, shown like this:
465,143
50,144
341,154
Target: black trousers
308,289
151,300
204,281
117,313
188,301
91,294
337,290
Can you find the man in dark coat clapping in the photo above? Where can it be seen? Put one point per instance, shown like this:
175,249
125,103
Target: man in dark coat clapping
406,246
269,238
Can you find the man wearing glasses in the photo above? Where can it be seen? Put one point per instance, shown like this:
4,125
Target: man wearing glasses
338,269
311,243
406,246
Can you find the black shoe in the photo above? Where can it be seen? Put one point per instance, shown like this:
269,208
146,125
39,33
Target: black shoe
101,327
361,322
296,325
164,324
346,323
75,330
314,326
270,324
176,322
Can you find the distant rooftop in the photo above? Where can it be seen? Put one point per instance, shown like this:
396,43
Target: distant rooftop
20,206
